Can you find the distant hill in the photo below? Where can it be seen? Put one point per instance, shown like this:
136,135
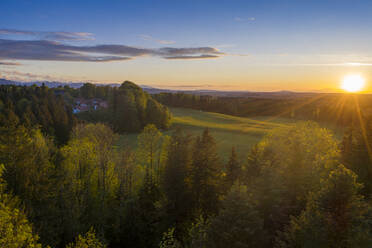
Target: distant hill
51,84
153,90
229,131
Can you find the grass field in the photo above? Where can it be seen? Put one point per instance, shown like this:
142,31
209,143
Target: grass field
228,130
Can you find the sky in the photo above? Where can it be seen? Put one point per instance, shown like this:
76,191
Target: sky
263,45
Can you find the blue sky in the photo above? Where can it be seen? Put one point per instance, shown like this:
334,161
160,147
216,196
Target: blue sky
257,45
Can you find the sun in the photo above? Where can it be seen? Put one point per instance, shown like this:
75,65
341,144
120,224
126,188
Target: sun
353,83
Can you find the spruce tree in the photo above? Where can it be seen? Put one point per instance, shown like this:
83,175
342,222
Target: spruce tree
175,183
233,170
205,175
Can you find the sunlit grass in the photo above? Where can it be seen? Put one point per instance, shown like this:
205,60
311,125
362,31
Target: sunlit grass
240,132
187,117
229,131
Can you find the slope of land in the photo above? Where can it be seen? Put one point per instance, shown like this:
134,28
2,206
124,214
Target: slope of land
228,130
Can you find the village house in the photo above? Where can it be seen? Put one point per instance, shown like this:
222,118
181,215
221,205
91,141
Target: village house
82,105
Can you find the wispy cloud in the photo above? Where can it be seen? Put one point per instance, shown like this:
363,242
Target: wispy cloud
358,64
317,64
9,63
171,51
188,87
24,76
150,38
56,36
203,56
224,46
57,51
240,19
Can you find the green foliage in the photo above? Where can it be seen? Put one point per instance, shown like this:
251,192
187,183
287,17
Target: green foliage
88,90
175,185
15,230
29,173
142,216
133,109
288,164
36,106
205,175
130,173
150,152
233,170
242,133
90,182
290,192
238,223
198,233
356,150
169,240
89,240
335,216
308,106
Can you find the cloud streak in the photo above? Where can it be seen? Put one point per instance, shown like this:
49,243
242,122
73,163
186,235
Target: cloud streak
150,38
9,63
56,36
249,19
24,76
203,56
56,51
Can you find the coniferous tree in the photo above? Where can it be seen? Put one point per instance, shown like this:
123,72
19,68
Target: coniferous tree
292,162
335,216
150,151
89,240
141,218
356,151
29,174
169,240
205,175
233,170
175,185
90,182
15,229
238,223
132,109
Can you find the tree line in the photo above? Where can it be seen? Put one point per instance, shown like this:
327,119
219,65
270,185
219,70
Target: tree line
291,191
130,108
336,109
298,187
36,106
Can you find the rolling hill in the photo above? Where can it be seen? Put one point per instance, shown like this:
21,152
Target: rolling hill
228,130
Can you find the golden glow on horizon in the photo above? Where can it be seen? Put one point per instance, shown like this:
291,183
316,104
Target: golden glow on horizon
353,83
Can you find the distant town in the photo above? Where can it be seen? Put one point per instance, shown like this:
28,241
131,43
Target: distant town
82,105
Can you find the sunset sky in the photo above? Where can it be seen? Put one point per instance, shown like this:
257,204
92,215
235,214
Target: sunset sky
229,45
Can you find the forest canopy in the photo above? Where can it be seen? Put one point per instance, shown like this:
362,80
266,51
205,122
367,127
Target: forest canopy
299,186
130,109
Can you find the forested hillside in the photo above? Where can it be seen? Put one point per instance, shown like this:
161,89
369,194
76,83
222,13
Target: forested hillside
338,109
36,106
130,109
296,187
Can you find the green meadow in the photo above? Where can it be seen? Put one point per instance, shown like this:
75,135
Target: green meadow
229,131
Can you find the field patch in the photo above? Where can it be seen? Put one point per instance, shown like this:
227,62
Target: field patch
228,130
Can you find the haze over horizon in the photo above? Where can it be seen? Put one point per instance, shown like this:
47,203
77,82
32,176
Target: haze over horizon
226,45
